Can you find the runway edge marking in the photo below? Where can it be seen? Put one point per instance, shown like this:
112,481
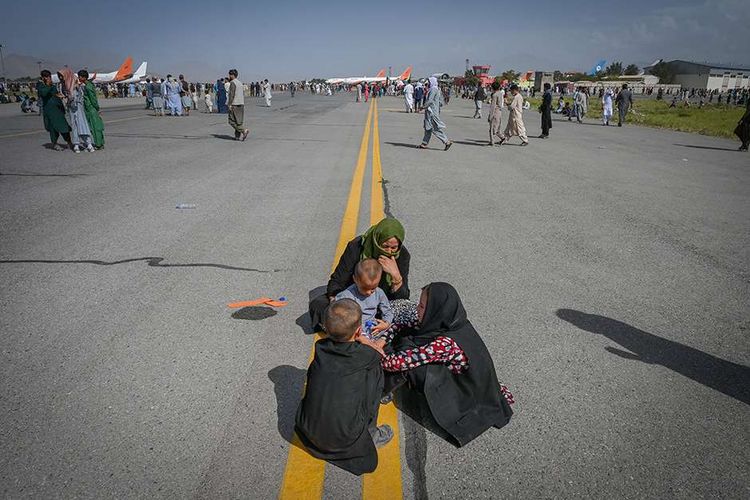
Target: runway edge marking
386,481
304,474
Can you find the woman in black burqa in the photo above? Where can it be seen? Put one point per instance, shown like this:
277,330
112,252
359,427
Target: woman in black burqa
446,361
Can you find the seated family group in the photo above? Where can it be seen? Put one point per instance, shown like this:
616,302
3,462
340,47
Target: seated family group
377,341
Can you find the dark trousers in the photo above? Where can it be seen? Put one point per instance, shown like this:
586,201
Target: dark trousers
317,308
546,121
623,112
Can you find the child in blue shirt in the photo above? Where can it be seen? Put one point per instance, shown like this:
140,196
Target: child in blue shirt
370,297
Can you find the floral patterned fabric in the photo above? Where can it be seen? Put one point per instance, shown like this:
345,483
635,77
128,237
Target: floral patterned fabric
443,350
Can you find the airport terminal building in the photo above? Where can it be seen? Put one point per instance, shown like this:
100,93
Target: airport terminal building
719,77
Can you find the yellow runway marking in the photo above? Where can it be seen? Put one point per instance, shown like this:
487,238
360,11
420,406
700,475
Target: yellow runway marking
304,474
385,482
42,131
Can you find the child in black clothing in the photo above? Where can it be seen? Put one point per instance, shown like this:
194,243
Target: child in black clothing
337,418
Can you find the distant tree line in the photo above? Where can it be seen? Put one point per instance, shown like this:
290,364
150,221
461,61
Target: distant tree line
613,70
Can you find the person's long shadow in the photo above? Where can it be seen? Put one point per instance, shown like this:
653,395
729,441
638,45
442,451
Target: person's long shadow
288,383
719,374
151,261
694,146
402,145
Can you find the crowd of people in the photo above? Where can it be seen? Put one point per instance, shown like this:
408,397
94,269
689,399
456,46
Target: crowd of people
378,342
178,97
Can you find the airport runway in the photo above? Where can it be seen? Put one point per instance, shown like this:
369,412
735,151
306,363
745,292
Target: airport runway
607,270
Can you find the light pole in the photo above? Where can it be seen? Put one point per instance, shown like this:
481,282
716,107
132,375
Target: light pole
2,61
39,63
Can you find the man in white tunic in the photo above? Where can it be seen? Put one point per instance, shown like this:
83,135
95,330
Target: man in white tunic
607,106
409,97
267,92
515,118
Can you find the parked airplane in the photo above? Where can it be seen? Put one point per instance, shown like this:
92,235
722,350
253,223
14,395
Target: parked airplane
336,81
124,72
379,78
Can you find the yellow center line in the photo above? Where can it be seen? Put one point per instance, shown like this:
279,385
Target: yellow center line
385,482
304,474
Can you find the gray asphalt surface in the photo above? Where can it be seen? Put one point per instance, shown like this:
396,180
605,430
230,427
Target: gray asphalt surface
606,269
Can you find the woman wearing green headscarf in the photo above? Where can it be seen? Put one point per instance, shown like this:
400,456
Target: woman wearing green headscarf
383,241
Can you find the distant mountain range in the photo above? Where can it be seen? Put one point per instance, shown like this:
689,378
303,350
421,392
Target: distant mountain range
18,66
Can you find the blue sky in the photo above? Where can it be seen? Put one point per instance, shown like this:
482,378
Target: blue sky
291,39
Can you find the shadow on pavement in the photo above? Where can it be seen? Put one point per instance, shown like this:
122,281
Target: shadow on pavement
706,147
470,142
719,374
152,262
288,383
402,145
157,136
415,438
226,137
254,313
44,175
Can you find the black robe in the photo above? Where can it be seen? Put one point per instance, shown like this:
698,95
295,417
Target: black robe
467,404
341,402
343,277
743,127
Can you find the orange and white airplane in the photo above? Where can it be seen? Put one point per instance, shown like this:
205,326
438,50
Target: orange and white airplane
124,72
379,78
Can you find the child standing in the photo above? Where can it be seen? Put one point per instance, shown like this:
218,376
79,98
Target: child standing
370,297
337,418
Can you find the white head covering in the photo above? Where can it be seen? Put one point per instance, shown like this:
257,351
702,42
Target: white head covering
433,82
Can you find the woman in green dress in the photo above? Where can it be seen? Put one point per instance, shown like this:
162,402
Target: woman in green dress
53,111
91,108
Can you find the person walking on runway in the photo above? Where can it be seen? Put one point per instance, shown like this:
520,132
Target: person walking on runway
515,124
743,127
624,101
479,96
497,103
267,92
409,97
546,110
236,102
432,122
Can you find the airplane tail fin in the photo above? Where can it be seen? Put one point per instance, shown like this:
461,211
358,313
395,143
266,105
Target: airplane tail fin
405,75
126,70
599,66
141,71
381,73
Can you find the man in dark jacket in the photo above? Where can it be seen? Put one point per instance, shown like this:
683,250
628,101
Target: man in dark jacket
337,418
624,101
546,110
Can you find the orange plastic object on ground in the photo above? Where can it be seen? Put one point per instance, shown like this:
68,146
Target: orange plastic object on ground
257,302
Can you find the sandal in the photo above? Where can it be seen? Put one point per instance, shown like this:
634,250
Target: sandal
448,146
422,146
